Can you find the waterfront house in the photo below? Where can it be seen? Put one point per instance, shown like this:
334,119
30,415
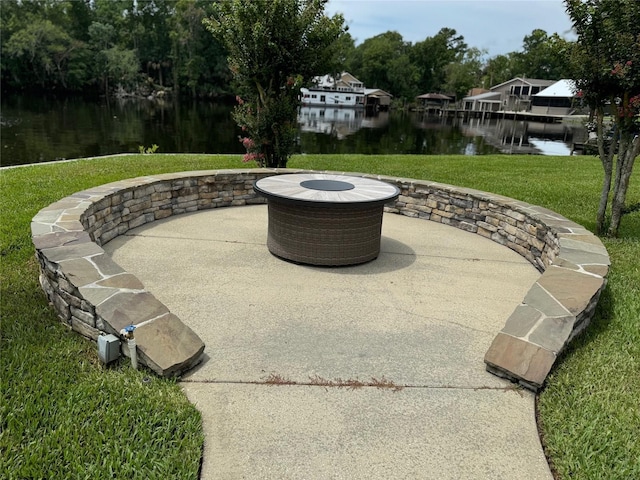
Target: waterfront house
376,99
344,91
516,94
483,102
557,99
434,102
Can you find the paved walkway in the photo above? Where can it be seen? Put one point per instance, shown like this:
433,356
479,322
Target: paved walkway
414,325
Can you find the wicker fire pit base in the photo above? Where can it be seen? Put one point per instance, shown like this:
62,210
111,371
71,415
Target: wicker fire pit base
326,220
324,236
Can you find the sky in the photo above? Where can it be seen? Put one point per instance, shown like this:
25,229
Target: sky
498,26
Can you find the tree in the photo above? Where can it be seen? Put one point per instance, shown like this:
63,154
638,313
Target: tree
543,56
274,46
122,66
498,70
185,35
111,62
118,14
80,18
383,62
101,38
47,51
465,73
199,64
151,37
402,76
433,54
344,48
605,63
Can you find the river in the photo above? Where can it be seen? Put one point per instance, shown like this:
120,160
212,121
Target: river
37,129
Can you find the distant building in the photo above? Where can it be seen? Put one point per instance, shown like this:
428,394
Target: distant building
434,102
345,91
483,102
520,95
515,94
557,99
377,99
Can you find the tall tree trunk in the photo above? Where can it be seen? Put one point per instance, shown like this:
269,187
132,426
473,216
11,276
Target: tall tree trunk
606,157
604,199
629,150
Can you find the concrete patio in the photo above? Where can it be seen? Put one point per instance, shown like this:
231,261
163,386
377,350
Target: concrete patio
416,322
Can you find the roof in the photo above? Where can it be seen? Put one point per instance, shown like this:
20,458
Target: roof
476,91
328,81
345,76
435,96
376,92
485,96
562,88
526,81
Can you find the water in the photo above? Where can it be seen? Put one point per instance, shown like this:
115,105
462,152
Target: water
35,129
45,129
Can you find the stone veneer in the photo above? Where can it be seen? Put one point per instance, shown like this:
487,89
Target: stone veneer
92,294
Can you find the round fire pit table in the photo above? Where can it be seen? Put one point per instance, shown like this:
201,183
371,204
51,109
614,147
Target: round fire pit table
322,219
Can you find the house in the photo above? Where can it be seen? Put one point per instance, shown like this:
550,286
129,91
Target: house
557,99
434,102
515,94
377,99
346,83
345,91
483,102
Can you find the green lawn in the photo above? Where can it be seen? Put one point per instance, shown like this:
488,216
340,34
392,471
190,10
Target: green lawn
62,415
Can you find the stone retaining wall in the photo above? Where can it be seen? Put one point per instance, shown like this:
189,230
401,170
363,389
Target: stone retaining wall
574,265
92,294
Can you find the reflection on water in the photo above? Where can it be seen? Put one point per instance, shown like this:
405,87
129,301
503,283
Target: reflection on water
518,136
339,130
339,122
349,130
45,129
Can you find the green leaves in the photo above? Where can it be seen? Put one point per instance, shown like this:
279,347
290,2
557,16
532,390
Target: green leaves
605,62
271,44
45,49
76,45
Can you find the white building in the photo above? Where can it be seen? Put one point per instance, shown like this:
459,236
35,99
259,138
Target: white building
346,91
557,99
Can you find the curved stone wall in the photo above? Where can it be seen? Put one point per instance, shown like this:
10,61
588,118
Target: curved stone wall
92,294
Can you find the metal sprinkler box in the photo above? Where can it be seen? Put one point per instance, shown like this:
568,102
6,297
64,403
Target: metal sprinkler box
108,348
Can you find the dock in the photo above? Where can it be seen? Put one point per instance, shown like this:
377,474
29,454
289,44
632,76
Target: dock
503,114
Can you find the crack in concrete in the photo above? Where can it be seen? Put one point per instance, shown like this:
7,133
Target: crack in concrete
167,237
357,385
462,259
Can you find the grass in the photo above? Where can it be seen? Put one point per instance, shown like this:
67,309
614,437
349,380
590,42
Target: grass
62,415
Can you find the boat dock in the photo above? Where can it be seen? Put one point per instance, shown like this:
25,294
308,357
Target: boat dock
503,114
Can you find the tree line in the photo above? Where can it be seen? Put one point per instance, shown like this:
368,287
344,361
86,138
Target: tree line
101,45
144,46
